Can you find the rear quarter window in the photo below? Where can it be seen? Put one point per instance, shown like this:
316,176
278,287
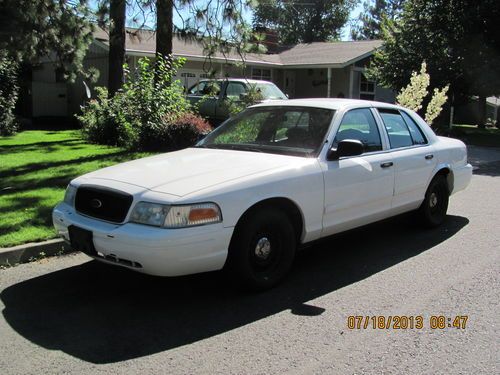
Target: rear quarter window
397,130
415,131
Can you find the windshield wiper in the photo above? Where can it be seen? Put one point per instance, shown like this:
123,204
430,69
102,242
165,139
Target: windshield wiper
246,148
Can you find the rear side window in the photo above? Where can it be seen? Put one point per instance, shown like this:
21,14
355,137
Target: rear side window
359,124
235,89
397,130
415,131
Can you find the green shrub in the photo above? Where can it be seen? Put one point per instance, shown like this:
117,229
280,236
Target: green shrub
9,91
134,117
104,123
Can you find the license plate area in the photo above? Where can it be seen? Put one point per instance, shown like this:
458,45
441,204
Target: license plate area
82,240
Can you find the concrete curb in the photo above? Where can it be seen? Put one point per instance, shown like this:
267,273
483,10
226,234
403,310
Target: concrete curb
10,256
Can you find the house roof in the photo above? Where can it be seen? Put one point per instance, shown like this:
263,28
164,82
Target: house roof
143,42
328,52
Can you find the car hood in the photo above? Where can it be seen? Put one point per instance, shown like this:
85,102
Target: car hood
183,172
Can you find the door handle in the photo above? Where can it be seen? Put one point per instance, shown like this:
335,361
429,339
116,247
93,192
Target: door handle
387,164
429,156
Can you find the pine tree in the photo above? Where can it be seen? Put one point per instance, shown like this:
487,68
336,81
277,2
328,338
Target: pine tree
30,30
370,21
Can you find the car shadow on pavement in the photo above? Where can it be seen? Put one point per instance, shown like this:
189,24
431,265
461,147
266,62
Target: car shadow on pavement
103,314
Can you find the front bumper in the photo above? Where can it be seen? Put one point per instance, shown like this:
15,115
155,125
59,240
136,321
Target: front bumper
158,251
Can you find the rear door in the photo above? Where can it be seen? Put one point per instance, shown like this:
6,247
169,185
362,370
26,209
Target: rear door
413,158
358,189
231,93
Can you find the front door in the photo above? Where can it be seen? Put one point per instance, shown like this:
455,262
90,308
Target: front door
359,189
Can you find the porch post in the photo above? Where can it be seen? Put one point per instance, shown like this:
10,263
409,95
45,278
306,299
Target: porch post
351,82
329,78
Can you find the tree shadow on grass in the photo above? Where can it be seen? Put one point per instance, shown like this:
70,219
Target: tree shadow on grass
47,146
104,314
34,167
41,218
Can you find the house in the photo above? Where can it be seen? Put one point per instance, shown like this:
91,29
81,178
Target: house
320,69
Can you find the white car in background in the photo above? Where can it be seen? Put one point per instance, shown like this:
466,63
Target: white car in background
211,97
276,176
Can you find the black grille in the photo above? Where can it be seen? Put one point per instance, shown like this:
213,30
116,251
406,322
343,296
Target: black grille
109,205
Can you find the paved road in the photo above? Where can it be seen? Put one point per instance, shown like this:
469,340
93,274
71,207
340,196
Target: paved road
72,315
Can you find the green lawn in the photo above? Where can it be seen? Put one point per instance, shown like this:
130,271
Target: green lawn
472,135
35,167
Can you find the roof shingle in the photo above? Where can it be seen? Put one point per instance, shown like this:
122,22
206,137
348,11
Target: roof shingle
317,53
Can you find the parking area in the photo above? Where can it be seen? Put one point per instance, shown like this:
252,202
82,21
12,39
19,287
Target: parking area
73,315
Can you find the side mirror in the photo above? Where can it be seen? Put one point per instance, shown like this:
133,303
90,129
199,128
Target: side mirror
347,147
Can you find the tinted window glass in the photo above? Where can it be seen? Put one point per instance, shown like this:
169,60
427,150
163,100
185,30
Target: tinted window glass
205,88
359,124
399,135
234,89
415,131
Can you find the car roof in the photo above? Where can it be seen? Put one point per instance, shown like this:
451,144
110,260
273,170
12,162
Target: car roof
244,80
328,103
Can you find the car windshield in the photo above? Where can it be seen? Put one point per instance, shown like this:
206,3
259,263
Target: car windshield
283,130
270,91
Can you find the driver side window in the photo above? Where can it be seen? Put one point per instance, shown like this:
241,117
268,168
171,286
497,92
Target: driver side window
359,124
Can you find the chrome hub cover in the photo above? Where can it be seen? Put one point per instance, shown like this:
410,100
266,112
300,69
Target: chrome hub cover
433,200
263,248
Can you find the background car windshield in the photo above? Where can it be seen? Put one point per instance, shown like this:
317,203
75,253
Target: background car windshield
270,91
282,130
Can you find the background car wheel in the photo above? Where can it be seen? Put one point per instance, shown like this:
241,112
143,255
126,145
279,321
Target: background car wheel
262,249
432,212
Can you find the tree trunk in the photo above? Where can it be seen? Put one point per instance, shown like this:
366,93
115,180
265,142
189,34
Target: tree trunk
164,27
116,45
482,112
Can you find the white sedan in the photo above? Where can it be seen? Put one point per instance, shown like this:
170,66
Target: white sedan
275,177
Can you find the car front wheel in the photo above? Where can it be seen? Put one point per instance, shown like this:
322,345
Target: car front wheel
433,209
262,249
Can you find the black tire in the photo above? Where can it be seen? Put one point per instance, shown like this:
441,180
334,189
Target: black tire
262,249
432,212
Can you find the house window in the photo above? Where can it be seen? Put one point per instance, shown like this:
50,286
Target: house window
188,75
263,74
366,88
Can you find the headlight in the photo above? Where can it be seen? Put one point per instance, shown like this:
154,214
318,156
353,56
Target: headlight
175,216
69,196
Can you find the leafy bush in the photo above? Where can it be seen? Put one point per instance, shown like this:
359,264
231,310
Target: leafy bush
185,130
435,106
413,95
9,91
105,123
134,117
